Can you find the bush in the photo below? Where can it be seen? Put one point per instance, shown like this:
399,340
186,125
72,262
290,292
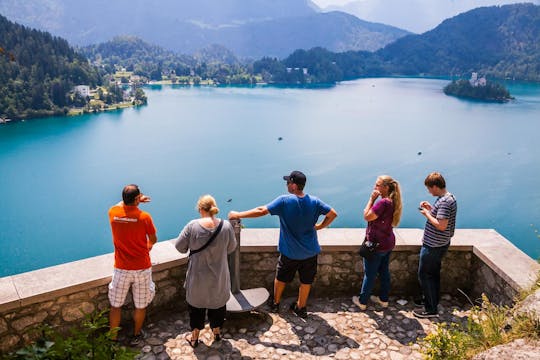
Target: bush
448,342
92,340
488,325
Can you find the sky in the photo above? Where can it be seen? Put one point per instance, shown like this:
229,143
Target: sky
325,3
414,15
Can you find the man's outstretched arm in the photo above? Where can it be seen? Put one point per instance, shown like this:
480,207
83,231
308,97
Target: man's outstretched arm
253,213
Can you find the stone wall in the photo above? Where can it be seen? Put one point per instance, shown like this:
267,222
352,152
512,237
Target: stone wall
340,273
478,261
22,325
487,281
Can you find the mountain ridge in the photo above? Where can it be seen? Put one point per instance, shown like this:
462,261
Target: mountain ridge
249,29
499,42
491,40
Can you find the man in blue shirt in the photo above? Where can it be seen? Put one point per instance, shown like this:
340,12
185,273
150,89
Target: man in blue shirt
298,244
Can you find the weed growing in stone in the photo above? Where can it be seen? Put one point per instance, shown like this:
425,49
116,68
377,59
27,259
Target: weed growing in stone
448,342
488,325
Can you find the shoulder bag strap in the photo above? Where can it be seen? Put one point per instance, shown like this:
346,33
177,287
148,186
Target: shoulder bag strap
209,240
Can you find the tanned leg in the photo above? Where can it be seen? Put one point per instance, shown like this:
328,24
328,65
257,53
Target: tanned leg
138,319
303,293
279,286
115,315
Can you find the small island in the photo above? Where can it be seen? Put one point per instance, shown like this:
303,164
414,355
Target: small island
478,89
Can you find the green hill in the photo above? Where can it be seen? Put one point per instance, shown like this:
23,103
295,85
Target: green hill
498,41
152,62
37,71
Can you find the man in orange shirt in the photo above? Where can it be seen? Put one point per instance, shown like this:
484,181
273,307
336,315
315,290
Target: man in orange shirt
134,234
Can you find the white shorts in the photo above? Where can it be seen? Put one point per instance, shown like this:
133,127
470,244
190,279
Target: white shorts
143,290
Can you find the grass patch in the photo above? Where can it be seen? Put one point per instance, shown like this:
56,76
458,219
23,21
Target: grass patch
488,325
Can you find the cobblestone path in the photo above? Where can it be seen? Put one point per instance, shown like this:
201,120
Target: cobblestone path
335,329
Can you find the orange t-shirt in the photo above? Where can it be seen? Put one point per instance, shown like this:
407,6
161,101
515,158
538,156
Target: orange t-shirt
130,227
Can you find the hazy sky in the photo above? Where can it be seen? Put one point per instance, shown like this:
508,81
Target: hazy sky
413,15
324,3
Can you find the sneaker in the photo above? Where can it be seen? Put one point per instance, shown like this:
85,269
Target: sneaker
377,300
356,301
138,339
425,314
419,302
273,306
301,312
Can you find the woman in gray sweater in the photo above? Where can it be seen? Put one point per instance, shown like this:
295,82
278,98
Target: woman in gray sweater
208,284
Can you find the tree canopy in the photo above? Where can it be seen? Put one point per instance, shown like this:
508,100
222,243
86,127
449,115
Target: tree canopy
37,71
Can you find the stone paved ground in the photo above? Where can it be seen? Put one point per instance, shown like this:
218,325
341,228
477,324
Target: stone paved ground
335,329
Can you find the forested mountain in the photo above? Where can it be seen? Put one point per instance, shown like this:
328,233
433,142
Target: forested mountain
37,70
498,42
253,28
502,42
417,16
318,65
135,55
152,61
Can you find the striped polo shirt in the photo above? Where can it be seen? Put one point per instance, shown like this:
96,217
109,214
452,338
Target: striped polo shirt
444,208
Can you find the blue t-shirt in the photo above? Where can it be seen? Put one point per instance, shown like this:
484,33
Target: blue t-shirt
297,219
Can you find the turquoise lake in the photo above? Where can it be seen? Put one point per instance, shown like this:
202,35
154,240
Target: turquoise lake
59,176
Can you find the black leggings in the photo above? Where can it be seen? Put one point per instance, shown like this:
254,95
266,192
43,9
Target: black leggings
198,315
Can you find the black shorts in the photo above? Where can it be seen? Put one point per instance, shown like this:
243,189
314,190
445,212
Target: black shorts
287,268
216,317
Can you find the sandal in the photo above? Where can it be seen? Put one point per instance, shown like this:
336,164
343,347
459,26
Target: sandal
217,335
192,343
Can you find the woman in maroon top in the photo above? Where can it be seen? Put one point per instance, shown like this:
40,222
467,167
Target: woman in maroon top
381,216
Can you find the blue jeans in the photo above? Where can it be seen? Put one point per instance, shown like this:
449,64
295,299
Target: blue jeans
378,264
429,275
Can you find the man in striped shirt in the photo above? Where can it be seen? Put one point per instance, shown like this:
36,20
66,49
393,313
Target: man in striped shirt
439,229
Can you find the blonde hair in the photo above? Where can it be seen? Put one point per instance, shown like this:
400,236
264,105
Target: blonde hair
394,193
208,204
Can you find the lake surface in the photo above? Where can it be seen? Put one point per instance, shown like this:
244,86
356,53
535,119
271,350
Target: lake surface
59,176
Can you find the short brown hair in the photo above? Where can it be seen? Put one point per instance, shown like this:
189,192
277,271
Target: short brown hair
435,179
130,193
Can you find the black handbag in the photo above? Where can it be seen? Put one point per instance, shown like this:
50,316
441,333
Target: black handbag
368,248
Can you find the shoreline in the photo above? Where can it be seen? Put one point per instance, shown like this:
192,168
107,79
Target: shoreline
112,107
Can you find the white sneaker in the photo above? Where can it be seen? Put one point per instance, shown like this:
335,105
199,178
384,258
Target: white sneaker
377,300
356,301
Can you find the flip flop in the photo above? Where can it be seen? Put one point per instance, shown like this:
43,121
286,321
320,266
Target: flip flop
192,343
217,335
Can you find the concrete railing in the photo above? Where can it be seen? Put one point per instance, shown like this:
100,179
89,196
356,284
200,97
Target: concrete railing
479,261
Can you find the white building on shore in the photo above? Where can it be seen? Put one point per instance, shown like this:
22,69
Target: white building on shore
83,90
